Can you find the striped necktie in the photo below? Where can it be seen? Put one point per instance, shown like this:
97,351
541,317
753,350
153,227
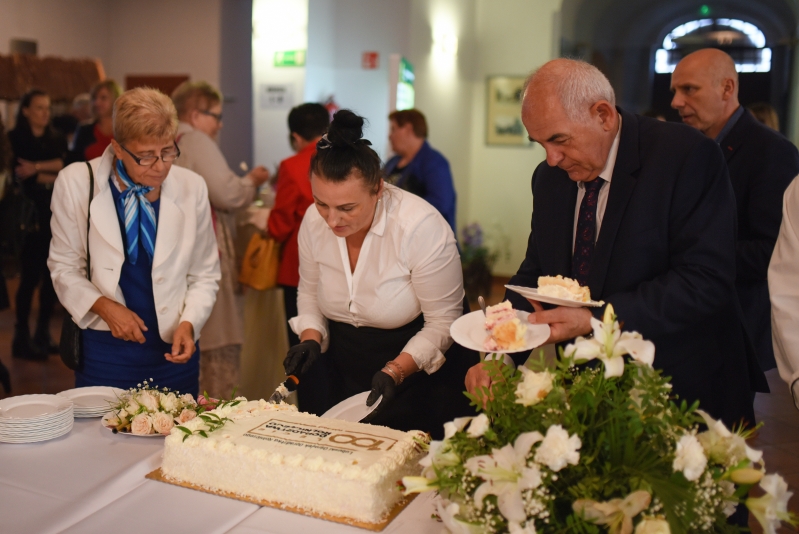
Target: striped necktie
140,220
585,235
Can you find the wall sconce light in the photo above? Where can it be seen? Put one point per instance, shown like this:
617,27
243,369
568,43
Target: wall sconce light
445,43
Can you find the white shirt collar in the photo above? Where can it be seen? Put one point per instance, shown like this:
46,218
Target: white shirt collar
607,172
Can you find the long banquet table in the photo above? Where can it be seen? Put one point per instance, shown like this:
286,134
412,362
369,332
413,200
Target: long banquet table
91,480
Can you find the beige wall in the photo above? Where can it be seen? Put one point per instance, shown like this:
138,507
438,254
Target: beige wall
71,29
444,85
129,36
514,37
157,37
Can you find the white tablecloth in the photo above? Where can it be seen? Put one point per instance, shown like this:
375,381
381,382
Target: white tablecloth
93,481
47,487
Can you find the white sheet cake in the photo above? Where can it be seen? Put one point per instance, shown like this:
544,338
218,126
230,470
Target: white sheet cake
274,453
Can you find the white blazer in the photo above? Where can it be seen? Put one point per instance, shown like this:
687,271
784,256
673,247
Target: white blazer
185,263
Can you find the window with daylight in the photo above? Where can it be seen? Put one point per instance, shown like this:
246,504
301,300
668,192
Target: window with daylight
744,41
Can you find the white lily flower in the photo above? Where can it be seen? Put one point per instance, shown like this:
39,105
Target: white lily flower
507,475
610,345
690,457
771,508
478,426
453,427
617,514
417,485
448,512
558,449
724,447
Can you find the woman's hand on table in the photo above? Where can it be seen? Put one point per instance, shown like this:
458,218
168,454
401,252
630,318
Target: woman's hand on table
124,323
182,343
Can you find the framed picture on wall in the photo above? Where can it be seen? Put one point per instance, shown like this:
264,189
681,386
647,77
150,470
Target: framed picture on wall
504,111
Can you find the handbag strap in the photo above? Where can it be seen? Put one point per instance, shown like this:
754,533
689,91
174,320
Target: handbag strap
88,222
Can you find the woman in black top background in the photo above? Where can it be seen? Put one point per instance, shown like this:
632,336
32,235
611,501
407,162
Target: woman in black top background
38,156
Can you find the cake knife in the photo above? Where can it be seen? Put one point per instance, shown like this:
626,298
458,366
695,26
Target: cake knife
285,389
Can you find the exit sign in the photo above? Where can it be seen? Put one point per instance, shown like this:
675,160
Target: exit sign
290,58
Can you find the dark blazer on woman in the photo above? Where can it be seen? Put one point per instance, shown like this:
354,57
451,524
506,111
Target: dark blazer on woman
665,258
762,163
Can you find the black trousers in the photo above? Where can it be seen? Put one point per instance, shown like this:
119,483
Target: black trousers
34,272
290,305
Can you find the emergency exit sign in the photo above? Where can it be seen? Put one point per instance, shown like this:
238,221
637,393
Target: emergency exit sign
290,58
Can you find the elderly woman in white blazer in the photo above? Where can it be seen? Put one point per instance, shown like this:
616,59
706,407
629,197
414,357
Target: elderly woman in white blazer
151,247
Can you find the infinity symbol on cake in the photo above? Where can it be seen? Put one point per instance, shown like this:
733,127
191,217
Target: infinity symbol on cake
370,444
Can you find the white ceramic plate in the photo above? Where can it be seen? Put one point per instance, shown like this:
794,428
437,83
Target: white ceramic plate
33,438
92,401
352,409
134,435
532,293
470,331
33,407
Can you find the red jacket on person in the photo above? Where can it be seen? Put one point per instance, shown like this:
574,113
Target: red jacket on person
292,198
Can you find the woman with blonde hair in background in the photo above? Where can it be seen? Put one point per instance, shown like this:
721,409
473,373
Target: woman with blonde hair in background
199,107
151,251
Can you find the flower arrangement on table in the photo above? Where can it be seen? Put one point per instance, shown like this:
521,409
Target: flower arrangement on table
146,409
595,449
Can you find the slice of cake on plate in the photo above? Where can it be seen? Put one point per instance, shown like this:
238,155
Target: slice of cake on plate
563,288
271,452
506,331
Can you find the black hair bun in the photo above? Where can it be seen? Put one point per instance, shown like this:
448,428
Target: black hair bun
346,128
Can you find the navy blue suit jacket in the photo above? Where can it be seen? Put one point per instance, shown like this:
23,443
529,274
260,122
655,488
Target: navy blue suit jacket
428,176
762,163
665,258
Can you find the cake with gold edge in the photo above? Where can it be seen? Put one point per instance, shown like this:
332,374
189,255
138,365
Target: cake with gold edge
274,453
563,288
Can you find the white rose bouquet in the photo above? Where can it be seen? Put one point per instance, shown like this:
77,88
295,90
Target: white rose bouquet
594,449
147,410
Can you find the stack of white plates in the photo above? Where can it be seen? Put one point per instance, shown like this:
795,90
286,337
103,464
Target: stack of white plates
30,418
92,401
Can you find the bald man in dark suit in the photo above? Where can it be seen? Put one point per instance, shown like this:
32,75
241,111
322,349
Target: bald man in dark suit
761,162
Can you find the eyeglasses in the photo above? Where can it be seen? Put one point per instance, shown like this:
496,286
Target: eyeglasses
149,161
217,116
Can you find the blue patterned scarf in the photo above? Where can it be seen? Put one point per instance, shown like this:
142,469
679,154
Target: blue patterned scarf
139,216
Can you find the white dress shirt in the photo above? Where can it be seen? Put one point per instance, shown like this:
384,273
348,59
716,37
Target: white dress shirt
783,286
604,191
408,264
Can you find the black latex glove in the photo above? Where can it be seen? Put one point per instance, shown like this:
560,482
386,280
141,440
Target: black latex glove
382,384
301,357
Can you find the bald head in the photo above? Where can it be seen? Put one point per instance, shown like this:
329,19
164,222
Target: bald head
705,87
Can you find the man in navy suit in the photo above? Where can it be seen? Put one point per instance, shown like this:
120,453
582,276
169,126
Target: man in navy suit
655,236
761,163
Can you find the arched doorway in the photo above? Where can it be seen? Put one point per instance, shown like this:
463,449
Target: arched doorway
622,38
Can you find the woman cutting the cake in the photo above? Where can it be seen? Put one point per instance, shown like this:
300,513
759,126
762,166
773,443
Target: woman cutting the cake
380,285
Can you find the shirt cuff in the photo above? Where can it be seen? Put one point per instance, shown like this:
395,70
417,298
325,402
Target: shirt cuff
301,323
504,358
426,355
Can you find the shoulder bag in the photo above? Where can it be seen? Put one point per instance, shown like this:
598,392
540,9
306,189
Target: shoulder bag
71,343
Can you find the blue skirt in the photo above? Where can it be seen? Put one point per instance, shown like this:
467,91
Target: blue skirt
109,361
